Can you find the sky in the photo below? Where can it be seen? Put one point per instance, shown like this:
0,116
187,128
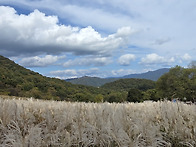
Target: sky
98,38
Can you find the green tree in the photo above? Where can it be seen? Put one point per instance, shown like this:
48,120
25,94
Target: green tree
99,98
116,97
178,83
34,92
135,95
151,94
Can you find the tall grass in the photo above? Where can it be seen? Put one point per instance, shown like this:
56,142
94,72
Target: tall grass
35,123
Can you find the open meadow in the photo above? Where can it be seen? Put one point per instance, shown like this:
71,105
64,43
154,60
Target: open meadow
37,123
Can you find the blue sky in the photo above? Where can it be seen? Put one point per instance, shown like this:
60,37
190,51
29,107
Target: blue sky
102,38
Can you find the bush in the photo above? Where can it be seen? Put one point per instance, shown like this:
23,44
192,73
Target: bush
135,95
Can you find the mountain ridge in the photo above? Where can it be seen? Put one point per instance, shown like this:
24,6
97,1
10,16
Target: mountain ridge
150,75
97,82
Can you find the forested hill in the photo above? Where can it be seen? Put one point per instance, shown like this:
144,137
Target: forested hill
91,81
127,84
18,81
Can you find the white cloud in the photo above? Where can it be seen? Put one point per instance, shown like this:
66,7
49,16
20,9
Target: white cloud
156,27
152,59
73,73
126,59
159,23
40,61
93,72
83,12
122,72
37,33
88,61
186,57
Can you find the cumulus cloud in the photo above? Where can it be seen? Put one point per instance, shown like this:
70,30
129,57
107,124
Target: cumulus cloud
37,61
160,24
152,59
157,25
88,61
37,33
126,59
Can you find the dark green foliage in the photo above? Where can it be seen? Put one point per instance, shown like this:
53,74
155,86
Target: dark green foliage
126,84
151,94
135,95
115,96
178,83
91,81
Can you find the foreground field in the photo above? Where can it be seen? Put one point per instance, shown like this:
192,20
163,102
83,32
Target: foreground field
33,123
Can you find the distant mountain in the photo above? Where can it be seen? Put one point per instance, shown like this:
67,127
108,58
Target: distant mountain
91,81
150,75
97,82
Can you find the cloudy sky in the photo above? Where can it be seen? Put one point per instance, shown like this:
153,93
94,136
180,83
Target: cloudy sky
103,38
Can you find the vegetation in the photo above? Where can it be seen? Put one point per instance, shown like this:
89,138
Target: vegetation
178,83
132,90
135,95
127,84
15,80
91,81
41,123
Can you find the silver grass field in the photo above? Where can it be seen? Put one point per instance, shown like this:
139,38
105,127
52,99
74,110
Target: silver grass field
37,123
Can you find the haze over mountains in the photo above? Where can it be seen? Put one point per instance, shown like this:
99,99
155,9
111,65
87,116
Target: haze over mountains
97,82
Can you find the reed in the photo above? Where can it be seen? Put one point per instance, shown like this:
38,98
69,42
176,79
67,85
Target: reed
37,123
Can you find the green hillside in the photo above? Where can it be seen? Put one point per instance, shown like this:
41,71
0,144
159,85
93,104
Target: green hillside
127,84
18,81
91,81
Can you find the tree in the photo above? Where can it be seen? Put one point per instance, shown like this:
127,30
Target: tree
99,98
135,95
151,94
34,92
178,83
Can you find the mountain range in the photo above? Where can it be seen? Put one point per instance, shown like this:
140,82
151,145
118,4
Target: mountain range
97,82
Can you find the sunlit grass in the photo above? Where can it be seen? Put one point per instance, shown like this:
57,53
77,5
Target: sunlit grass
36,123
